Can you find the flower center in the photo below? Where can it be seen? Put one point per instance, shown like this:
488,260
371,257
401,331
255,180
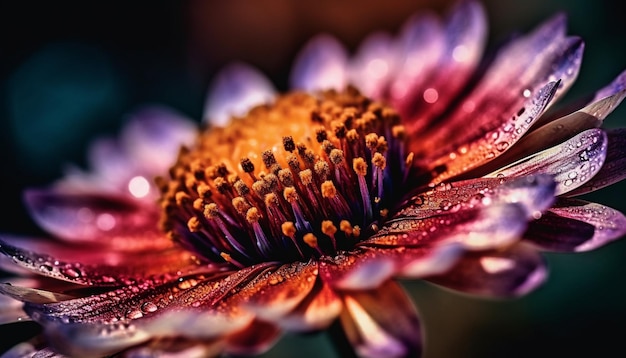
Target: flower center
306,176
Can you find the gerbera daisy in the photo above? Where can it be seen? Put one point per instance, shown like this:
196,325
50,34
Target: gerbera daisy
414,158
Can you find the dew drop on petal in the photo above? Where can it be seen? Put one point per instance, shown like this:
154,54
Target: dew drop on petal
431,95
148,307
139,186
526,93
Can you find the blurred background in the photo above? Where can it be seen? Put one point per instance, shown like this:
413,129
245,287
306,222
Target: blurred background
71,71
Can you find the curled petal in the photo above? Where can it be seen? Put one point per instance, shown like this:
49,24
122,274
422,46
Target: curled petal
32,295
274,293
576,225
572,163
519,71
176,347
234,91
614,168
382,322
498,273
321,307
356,270
255,339
490,140
558,131
320,65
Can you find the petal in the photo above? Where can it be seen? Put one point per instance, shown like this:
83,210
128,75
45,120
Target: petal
234,91
153,137
372,67
614,168
103,267
360,270
255,339
382,322
490,140
94,217
176,348
274,293
520,70
572,163
463,40
321,307
498,273
557,131
576,225
32,295
320,65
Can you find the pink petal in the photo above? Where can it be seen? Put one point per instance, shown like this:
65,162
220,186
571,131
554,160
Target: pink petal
572,163
274,293
255,339
153,137
234,91
320,65
321,307
382,322
101,266
371,69
520,70
614,168
464,38
420,48
557,131
361,270
93,217
490,140
498,273
576,225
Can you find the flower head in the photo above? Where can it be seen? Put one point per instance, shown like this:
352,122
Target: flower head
298,211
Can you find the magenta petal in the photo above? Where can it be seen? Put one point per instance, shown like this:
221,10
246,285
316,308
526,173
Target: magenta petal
92,217
572,163
373,65
498,273
321,65
382,322
576,225
614,168
361,270
234,91
153,137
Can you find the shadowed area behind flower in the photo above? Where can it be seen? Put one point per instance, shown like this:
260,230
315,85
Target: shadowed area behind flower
431,300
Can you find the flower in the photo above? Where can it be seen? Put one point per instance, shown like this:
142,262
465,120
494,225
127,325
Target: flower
297,211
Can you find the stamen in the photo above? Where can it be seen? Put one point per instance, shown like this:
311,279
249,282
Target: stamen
230,259
289,230
253,217
311,240
329,229
211,212
360,167
291,196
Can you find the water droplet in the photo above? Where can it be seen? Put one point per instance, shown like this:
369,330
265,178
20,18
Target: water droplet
71,272
501,146
134,314
149,307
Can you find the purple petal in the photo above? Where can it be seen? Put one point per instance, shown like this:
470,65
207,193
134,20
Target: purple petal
576,225
488,142
464,38
499,273
572,163
234,91
320,65
92,217
520,70
614,168
382,322
374,64
360,270
558,130
154,136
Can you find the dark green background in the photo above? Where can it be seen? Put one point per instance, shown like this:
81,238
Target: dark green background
70,71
